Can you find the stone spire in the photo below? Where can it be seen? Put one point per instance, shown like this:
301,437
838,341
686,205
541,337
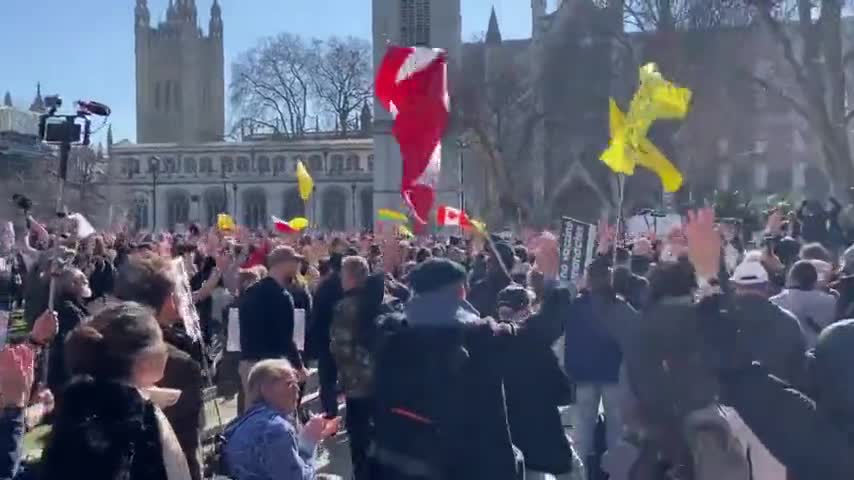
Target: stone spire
38,102
366,118
493,33
215,28
109,136
143,15
7,99
171,13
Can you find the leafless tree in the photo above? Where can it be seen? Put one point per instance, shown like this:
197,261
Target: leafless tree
669,15
341,78
810,44
271,84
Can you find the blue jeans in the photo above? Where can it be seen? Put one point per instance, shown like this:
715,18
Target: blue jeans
11,441
585,414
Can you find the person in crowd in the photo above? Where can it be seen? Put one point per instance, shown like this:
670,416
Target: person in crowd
815,251
770,332
149,279
108,427
814,440
72,290
437,381
533,400
265,443
814,219
267,316
102,272
522,265
228,374
592,358
813,308
351,347
328,293
484,293
18,409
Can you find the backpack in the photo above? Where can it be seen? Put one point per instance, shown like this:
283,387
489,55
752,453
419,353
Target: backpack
416,422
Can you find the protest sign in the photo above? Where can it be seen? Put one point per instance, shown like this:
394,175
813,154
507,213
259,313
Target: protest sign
576,249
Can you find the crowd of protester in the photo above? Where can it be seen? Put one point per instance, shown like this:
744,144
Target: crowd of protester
697,355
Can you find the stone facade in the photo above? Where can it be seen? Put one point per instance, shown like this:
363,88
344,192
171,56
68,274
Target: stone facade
180,76
161,186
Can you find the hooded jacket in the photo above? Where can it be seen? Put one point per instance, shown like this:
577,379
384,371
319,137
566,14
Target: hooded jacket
814,310
438,381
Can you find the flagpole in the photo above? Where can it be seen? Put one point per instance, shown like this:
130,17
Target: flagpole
621,185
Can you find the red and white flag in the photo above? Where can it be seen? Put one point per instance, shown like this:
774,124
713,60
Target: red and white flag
282,226
412,84
452,217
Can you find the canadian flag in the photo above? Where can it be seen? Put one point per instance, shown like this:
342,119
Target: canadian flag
451,217
412,84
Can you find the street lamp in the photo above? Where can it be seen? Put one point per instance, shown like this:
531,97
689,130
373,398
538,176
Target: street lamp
154,164
461,146
353,203
234,189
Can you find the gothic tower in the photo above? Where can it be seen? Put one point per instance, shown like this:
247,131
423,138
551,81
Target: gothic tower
180,78
434,23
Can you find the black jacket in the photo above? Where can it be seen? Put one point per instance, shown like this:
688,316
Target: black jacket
327,295
533,399
104,431
70,313
267,323
186,416
440,404
484,294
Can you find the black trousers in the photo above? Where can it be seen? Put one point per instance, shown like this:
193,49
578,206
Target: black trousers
327,375
360,431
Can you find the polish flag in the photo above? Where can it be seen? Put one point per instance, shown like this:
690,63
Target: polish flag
412,84
451,217
282,226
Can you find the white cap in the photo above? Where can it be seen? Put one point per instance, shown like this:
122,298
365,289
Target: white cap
749,273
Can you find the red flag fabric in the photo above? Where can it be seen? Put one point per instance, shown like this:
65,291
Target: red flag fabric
412,84
452,217
282,226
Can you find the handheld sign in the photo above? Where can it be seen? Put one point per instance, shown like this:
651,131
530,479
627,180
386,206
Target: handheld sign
576,249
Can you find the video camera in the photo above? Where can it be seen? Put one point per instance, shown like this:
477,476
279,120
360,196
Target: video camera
73,129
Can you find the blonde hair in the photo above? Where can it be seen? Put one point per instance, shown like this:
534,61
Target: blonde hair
264,373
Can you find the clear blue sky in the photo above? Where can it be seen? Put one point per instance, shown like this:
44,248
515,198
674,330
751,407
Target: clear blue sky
85,49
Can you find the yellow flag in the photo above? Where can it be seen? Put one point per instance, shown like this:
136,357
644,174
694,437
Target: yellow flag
224,222
650,157
306,184
298,223
615,156
405,232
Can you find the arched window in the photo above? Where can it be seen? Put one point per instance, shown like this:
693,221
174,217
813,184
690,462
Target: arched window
254,208
206,165
337,164
243,164
294,206
215,203
367,199
177,208
167,95
371,162
263,164
190,165
315,164
227,164
280,164
177,87
352,163
335,209
140,213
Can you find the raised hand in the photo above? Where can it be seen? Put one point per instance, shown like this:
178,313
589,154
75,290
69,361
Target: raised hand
45,327
704,242
17,373
547,254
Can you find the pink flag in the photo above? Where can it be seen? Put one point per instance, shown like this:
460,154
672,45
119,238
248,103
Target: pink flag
412,84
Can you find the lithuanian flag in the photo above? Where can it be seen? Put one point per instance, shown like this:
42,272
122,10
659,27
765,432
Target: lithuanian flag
391,216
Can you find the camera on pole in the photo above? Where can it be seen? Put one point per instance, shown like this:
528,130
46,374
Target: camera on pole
66,130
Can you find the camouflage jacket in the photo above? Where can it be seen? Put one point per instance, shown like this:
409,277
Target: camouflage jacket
350,348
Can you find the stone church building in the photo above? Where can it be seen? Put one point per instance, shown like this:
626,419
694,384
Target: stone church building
545,101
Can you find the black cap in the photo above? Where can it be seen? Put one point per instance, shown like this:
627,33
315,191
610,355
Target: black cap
514,296
506,254
436,273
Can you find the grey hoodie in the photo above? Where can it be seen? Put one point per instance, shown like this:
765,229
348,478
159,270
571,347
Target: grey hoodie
814,310
439,309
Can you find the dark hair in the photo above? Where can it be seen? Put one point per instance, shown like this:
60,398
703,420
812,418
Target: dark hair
672,279
803,275
422,255
323,266
815,251
147,279
106,347
521,253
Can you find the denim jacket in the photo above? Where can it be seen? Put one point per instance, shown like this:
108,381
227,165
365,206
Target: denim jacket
11,441
264,445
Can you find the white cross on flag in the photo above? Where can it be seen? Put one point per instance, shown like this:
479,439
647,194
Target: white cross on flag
452,217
